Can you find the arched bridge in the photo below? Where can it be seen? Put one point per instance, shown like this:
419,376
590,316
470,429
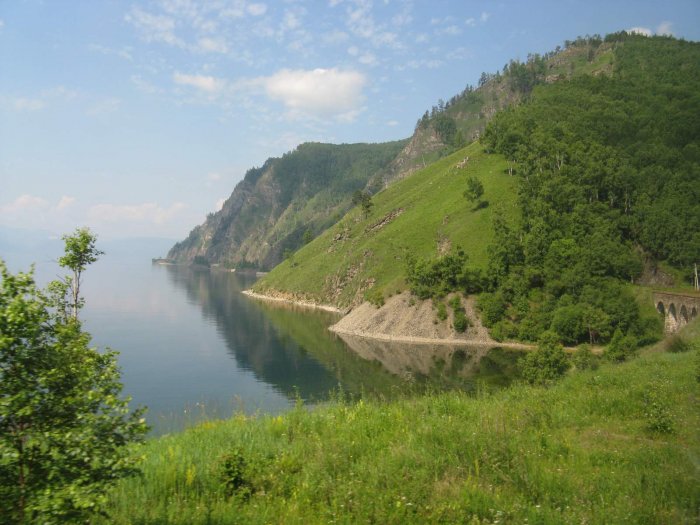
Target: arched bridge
677,308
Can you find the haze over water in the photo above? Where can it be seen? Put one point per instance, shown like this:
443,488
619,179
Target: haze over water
192,346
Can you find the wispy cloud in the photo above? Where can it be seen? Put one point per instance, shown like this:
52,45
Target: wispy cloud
24,203
203,82
640,31
154,28
147,213
65,202
664,28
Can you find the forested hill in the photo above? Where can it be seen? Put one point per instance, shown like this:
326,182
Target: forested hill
284,203
271,210
606,168
609,183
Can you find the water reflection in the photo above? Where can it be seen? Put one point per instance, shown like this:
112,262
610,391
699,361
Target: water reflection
252,339
291,349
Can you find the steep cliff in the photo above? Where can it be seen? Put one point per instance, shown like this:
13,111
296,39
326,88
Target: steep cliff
274,206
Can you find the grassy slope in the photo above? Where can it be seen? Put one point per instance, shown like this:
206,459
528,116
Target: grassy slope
582,451
433,207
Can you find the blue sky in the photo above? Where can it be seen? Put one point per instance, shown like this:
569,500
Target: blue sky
138,118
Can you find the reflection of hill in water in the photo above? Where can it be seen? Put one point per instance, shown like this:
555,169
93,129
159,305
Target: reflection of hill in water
291,349
252,339
439,366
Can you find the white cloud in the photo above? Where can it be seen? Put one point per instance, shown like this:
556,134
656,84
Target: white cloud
392,123
24,203
219,204
256,9
124,53
104,107
144,85
368,59
471,22
335,37
645,31
154,28
27,104
484,17
204,82
212,45
452,30
147,213
664,28
65,202
318,92
2,24
214,177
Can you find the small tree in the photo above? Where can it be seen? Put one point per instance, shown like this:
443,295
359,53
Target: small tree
64,431
474,191
80,251
364,199
546,364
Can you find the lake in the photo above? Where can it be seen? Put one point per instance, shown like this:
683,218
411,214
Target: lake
193,347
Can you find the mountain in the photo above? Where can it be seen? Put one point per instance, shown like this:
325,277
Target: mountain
311,188
274,206
593,178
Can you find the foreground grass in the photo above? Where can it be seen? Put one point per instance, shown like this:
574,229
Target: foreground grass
616,445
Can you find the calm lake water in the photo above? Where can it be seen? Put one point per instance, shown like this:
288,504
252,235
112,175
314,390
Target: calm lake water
192,346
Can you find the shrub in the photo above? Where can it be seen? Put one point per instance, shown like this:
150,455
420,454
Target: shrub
375,296
657,411
493,308
621,347
234,474
677,344
546,364
585,359
441,311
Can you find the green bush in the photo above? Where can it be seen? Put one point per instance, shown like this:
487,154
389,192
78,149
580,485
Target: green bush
375,296
657,411
546,364
677,344
621,347
585,359
441,311
492,307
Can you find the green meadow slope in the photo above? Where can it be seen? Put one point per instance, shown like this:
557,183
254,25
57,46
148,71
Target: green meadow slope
614,445
424,214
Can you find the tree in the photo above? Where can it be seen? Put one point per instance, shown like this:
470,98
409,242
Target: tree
364,199
65,433
80,251
474,191
546,364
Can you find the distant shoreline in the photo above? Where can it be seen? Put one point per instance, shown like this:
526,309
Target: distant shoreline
280,299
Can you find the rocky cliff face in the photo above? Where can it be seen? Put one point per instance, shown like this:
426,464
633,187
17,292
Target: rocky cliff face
274,206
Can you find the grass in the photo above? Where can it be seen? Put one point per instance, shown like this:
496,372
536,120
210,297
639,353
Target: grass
358,253
615,445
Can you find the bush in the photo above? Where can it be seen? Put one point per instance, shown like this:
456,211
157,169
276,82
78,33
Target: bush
492,307
621,347
657,411
441,311
677,344
546,364
375,296
234,474
460,321
585,359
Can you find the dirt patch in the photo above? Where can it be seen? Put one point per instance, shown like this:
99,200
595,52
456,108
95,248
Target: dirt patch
384,221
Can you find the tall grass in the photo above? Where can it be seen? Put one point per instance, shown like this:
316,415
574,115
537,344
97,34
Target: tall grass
615,445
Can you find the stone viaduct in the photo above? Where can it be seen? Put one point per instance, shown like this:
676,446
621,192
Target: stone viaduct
677,308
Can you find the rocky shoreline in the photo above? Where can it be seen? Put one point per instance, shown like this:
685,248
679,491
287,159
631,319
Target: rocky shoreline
402,319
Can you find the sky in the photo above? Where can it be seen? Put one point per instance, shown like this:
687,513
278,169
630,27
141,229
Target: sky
137,118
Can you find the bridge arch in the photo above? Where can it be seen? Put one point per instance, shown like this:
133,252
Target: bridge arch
676,308
661,308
